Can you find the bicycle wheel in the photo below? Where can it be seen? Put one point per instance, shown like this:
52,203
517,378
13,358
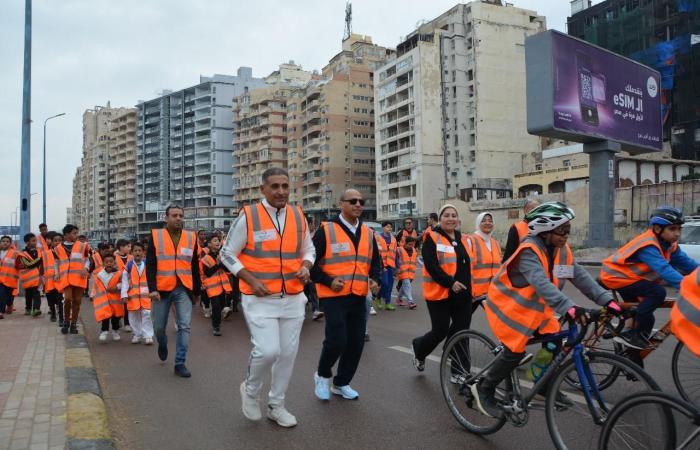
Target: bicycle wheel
610,373
572,426
465,354
685,366
653,421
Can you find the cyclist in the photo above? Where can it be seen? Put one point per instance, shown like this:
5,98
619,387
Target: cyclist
685,315
636,268
527,291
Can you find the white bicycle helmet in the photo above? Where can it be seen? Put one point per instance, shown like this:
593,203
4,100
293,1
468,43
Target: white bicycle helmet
547,217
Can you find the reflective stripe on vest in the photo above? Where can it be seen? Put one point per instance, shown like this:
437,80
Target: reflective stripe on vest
29,277
619,271
107,300
342,260
685,315
138,290
48,262
218,283
407,271
271,258
388,252
484,263
173,264
71,268
515,313
432,290
9,276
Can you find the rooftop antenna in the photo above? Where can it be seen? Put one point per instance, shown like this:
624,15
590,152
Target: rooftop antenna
348,20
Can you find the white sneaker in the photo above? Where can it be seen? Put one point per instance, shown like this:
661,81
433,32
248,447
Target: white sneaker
249,405
207,312
103,336
128,328
372,311
135,339
280,415
115,336
322,387
226,313
148,341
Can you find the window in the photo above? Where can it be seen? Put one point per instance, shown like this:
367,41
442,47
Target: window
538,167
567,163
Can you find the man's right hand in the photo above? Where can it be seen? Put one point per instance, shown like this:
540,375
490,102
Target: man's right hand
458,287
155,295
337,284
259,289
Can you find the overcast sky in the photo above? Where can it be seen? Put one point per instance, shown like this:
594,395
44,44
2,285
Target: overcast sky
88,52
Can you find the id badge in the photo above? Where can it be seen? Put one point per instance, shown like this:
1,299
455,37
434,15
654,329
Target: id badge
144,289
445,248
564,271
264,235
340,247
76,256
186,251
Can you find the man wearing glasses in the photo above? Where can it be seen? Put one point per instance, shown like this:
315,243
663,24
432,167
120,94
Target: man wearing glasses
348,266
406,231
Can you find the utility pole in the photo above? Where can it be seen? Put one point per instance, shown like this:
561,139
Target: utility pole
25,186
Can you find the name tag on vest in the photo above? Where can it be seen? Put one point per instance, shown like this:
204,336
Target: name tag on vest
264,235
144,289
563,271
340,247
76,256
186,251
445,248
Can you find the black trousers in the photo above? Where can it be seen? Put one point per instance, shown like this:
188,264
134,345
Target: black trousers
446,318
32,298
345,337
311,295
217,304
113,320
5,297
55,301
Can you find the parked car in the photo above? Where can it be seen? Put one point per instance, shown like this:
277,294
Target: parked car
690,237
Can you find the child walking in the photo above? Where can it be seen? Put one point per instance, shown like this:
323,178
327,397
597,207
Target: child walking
407,271
215,281
135,295
107,301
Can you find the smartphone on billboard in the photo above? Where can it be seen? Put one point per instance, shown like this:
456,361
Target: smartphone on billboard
589,107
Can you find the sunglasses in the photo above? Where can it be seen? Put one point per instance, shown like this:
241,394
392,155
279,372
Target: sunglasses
355,201
562,231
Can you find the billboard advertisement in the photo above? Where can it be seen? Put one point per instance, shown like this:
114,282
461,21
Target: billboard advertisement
583,93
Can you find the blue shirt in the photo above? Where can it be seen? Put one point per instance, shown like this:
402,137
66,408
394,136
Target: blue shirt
671,271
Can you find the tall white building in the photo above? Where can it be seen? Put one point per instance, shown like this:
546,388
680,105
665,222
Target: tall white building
184,152
450,109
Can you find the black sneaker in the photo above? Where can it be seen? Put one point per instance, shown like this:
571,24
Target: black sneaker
181,371
563,400
419,364
216,332
485,402
73,329
64,329
162,352
52,318
632,339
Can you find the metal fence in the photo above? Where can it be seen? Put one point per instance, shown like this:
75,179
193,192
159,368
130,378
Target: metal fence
684,195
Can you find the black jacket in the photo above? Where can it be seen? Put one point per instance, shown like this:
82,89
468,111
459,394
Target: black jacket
432,266
152,267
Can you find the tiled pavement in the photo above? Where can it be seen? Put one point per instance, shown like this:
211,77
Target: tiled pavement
32,382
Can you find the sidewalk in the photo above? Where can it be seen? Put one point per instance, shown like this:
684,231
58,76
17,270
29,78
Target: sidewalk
32,382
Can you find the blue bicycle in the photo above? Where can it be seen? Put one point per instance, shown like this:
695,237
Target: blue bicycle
575,413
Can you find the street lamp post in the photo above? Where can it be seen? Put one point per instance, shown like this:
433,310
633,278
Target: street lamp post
43,208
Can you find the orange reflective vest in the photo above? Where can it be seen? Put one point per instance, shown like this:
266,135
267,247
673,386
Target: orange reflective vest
522,229
484,263
516,313
273,259
387,251
407,270
403,234
121,265
48,261
447,258
138,289
218,283
41,243
685,315
71,268
345,261
107,299
97,263
8,272
173,264
29,277
619,270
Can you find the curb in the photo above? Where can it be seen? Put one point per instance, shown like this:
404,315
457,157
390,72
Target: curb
87,425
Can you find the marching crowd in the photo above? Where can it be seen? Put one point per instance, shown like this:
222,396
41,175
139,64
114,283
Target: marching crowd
272,262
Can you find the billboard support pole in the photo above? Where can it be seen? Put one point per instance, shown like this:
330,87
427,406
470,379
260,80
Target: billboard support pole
601,193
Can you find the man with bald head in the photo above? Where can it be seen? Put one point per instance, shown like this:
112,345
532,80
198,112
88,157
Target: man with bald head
348,265
518,231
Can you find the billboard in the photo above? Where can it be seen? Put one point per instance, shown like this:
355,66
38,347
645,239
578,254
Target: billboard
580,92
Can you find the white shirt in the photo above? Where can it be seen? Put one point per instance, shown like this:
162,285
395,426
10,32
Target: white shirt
351,227
105,276
237,239
126,277
3,253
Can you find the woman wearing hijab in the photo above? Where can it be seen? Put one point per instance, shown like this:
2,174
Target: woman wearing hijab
446,284
485,255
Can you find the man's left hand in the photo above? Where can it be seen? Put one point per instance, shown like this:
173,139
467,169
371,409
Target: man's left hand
303,275
374,287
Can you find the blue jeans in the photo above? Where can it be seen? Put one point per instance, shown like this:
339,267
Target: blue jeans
652,295
387,284
183,310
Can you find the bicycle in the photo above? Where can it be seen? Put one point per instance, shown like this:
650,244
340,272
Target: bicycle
654,421
469,354
685,366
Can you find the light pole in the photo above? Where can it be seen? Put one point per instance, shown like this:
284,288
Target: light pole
43,201
25,186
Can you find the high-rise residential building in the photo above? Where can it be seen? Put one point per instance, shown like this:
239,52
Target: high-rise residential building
662,34
184,152
260,131
122,175
451,111
330,130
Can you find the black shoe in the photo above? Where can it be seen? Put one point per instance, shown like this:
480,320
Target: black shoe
64,329
73,329
419,364
52,318
162,352
485,401
366,337
563,400
181,371
216,332
632,339
60,323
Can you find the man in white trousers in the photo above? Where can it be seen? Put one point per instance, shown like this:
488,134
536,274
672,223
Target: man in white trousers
135,296
269,249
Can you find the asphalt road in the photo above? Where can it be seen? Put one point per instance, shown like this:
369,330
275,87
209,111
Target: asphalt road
398,408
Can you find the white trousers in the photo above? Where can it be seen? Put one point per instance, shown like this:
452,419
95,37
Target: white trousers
275,324
141,324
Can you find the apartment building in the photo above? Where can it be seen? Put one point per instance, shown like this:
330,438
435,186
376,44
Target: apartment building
330,130
260,131
122,175
453,98
184,152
